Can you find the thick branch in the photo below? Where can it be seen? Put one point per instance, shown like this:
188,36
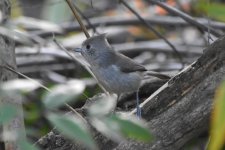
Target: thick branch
180,109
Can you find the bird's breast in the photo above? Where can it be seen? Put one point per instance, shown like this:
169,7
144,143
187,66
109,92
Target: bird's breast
115,81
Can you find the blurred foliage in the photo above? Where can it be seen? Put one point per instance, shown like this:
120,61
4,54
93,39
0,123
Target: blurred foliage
73,125
52,13
25,145
7,112
16,10
132,128
212,9
21,86
63,93
127,127
49,10
115,126
217,131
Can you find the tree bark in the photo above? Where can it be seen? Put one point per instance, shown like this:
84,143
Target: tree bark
177,112
7,57
180,110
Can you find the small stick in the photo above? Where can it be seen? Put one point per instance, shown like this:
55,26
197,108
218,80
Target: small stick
75,13
89,24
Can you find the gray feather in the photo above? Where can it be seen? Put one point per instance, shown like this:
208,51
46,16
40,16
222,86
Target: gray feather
127,65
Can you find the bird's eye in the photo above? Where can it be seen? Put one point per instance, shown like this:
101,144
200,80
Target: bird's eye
88,46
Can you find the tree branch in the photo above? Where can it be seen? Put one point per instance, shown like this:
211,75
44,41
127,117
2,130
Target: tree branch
78,18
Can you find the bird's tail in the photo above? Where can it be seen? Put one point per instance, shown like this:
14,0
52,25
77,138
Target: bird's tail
158,75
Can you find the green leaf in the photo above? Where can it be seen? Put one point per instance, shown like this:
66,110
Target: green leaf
108,127
213,9
17,36
25,145
117,127
63,93
7,112
217,131
38,24
103,106
52,13
73,128
132,128
21,85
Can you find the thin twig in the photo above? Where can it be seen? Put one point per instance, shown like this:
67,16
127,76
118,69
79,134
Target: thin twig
68,53
63,48
86,19
75,112
209,24
186,17
153,30
207,143
26,77
92,6
78,18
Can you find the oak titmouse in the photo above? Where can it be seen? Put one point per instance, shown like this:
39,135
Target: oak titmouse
114,71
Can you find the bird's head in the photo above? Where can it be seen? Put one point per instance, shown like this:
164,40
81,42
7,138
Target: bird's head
94,48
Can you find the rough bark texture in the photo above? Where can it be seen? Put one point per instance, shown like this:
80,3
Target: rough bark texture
180,110
5,8
177,112
7,57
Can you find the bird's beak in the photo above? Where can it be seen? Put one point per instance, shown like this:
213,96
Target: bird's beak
79,50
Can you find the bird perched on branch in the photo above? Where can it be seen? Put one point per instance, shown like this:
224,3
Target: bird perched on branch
114,71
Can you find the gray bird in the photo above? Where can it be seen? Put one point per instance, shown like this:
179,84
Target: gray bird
114,71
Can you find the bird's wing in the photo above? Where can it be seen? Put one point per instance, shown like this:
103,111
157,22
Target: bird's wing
127,65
